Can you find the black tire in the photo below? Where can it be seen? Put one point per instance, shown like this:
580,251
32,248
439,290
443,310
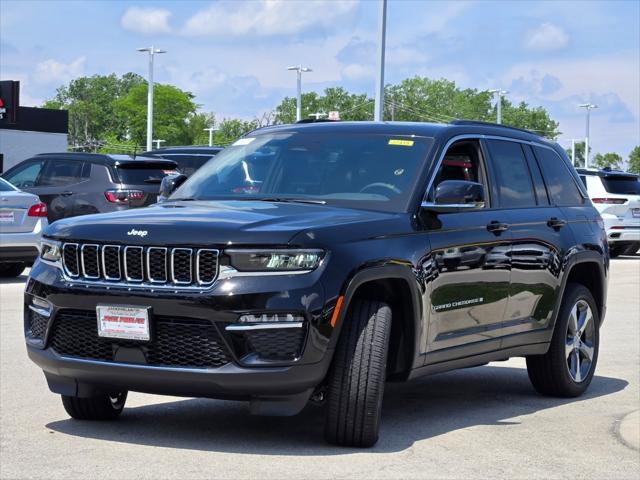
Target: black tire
100,407
550,373
356,382
632,249
11,270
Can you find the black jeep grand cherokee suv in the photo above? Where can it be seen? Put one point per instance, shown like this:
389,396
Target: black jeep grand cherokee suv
368,252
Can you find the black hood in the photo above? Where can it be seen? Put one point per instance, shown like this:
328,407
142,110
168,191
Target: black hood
219,223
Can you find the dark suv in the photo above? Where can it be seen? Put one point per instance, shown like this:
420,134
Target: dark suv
73,184
369,252
189,159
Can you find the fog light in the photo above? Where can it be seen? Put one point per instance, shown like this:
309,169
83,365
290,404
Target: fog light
271,318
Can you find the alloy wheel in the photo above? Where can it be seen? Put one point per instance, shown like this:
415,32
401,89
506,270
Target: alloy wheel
580,341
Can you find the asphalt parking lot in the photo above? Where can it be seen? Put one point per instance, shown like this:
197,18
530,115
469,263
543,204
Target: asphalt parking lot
485,422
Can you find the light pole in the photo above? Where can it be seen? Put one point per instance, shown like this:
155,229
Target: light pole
152,51
588,107
318,115
299,69
499,93
382,27
158,142
211,130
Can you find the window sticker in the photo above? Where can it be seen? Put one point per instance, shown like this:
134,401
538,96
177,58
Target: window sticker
401,142
243,141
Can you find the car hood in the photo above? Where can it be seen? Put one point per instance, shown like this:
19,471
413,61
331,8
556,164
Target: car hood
223,223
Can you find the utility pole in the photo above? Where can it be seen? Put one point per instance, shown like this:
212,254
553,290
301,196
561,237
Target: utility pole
393,110
499,93
158,142
299,69
588,107
210,130
152,51
573,152
379,92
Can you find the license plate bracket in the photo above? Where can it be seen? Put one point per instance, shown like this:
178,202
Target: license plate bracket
124,322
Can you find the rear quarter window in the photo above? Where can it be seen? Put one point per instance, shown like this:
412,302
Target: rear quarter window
561,184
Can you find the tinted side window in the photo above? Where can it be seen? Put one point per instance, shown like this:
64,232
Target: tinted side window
560,183
25,175
512,174
61,172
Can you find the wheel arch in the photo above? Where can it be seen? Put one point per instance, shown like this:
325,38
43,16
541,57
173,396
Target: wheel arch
397,286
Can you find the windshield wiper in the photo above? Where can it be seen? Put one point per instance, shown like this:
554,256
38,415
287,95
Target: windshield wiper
292,200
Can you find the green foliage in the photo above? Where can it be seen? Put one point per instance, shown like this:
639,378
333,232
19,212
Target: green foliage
608,160
231,129
420,99
634,160
351,106
172,109
579,147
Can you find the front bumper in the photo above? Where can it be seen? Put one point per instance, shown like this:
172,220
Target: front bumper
273,387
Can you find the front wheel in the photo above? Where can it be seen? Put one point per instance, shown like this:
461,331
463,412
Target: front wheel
356,383
566,370
100,407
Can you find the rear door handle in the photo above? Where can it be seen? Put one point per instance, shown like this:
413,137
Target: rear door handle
66,194
556,223
497,227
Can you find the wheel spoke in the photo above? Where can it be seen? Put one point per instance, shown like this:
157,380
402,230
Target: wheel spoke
587,351
568,348
578,375
587,317
573,320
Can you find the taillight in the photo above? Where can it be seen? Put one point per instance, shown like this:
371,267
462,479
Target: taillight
611,201
123,196
37,210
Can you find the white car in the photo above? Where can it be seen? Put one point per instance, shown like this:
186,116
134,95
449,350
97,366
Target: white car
23,217
616,195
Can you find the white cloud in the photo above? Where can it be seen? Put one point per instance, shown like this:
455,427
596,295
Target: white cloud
267,17
146,20
546,37
52,71
358,71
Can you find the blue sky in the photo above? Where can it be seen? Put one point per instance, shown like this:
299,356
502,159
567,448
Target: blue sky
233,55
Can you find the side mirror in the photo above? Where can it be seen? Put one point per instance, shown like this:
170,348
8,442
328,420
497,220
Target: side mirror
169,185
456,196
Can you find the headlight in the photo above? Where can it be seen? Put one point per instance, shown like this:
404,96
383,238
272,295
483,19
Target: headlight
274,260
50,250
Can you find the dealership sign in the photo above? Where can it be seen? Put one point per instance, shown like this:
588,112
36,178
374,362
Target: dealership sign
9,101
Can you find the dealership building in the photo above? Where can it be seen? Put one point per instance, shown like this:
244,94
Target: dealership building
27,131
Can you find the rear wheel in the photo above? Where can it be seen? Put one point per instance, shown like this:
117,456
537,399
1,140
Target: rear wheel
100,407
616,250
566,370
632,249
356,383
11,270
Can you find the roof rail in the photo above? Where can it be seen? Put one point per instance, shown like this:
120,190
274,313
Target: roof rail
491,124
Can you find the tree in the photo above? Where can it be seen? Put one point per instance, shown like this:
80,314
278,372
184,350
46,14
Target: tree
91,105
351,106
172,110
634,160
608,160
231,129
579,147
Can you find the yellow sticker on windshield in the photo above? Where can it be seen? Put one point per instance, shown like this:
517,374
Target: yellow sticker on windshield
398,141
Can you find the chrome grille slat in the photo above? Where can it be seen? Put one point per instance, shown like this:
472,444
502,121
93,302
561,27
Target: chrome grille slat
133,266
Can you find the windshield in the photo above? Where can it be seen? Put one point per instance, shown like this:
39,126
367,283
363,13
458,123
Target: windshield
358,170
622,184
6,186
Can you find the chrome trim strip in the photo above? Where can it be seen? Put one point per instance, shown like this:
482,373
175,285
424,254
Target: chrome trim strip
104,267
64,263
216,252
40,311
172,264
163,249
84,272
124,261
262,326
227,271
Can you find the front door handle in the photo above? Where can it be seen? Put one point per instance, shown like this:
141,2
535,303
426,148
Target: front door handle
556,223
497,227
66,194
